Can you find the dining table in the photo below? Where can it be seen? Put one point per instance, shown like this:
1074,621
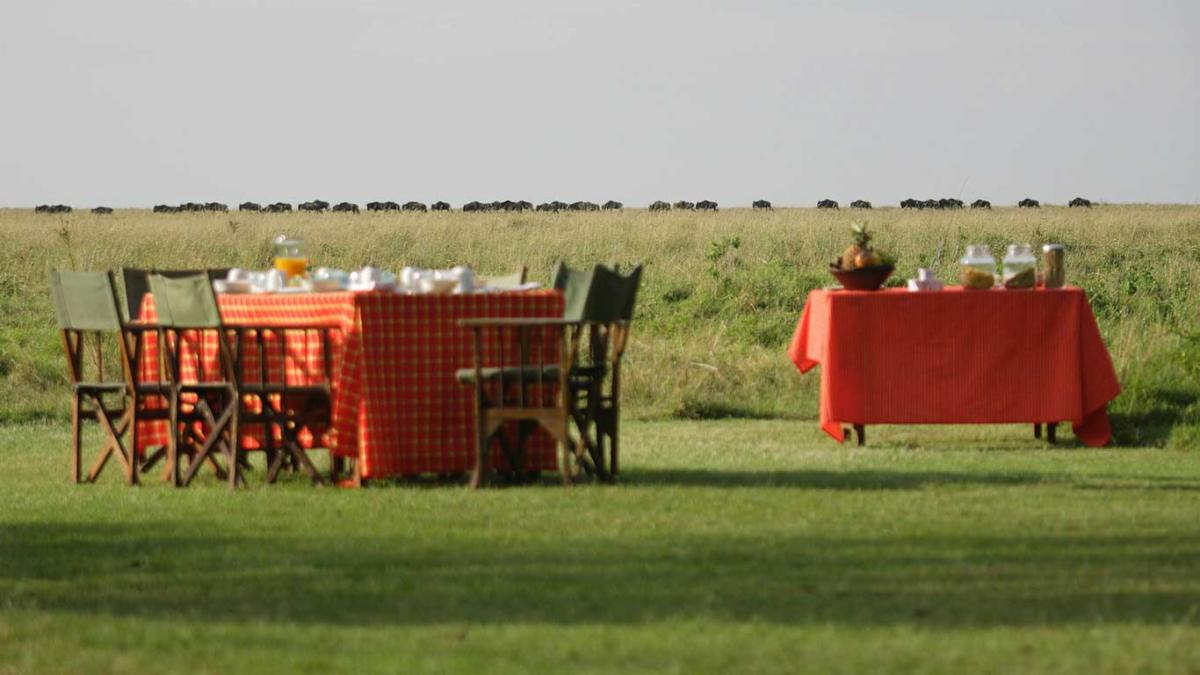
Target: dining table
397,409
957,356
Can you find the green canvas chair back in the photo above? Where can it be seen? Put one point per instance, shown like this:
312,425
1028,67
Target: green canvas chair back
185,302
137,285
576,286
84,301
600,294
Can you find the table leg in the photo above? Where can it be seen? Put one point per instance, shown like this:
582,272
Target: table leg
860,431
1051,435
1037,430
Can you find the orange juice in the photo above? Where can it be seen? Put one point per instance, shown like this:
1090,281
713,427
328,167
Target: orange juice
292,267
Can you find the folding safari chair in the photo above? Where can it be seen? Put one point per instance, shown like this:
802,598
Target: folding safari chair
204,401
87,310
549,382
595,381
269,397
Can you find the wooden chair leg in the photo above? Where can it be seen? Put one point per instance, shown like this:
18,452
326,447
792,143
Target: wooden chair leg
171,475
613,436
483,442
234,443
76,439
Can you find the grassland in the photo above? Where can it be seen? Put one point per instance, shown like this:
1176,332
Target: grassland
729,546
720,299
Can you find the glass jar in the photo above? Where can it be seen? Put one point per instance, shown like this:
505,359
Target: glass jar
290,257
1020,266
978,268
1053,267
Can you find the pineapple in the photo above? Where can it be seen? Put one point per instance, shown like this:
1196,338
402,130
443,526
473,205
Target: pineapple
860,254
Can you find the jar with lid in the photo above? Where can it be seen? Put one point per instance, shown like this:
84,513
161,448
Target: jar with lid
977,268
1020,266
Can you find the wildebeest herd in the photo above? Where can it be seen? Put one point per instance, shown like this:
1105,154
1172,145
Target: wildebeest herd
321,206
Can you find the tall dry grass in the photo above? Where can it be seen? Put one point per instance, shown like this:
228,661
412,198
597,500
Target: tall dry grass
721,295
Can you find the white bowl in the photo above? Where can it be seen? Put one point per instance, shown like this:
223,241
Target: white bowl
437,286
229,286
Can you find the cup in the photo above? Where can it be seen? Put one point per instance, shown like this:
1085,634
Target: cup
275,280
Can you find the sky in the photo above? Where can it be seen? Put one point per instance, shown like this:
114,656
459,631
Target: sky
136,103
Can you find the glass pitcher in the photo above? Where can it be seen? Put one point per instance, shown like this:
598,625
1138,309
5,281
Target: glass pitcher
290,257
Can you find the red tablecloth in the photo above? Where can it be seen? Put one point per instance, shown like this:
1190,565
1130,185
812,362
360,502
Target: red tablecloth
957,357
396,404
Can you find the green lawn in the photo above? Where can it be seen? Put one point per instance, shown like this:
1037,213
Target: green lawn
728,546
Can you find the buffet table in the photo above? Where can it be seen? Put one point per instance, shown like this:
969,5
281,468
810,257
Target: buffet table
957,357
397,408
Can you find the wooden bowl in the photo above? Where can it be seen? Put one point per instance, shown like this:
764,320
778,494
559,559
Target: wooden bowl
863,278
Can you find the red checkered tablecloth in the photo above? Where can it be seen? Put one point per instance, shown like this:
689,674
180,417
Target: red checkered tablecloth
397,407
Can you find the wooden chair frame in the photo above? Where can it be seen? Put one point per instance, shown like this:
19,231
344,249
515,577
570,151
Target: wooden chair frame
290,408
203,415
534,393
88,403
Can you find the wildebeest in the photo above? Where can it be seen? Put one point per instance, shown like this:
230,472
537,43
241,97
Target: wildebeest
56,208
910,203
374,206
1080,202
42,208
685,205
660,205
345,207
278,207
613,205
216,206
860,204
950,203
102,210
1029,203
414,206
439,206
981,204
584,206
522,205
472,207
827,204
706,205
761,204
316,205
249,206
166,208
